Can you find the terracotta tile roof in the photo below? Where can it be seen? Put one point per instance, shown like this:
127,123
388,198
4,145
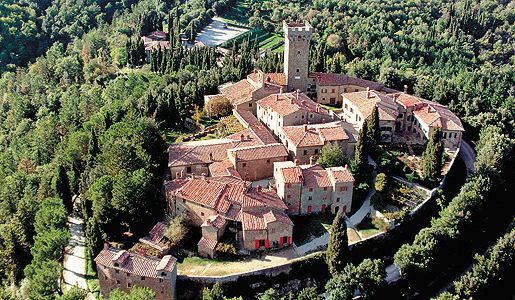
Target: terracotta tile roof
157,45
334,79
287,103
276,78
438,115
315,135
247,119
207,243
259,219
366,101
315,176
340,174
292,174
259,152
156,236
407,100
239,92
173,185
220,195
263,134
216,221
245,138
134,263
198,152
223,168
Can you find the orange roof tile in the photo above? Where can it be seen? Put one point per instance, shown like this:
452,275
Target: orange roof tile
216,221
223,168
259,219
134,263
259,152
238,92
207,243
366,101
438,115
314,135
288,103
315,176
340,174
199,152
334,79
292,174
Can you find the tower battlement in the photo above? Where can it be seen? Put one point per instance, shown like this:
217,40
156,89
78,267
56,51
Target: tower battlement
297,27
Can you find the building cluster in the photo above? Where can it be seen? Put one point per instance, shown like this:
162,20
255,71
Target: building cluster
249,183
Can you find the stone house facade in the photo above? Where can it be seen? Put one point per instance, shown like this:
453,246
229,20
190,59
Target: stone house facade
117,268
319,189
305,141
257,162
297,37
289,109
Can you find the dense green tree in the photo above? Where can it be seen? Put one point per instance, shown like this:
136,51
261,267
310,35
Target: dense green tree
337,249
373,130
270,294
381,183
136,293
433,155
332,155
308,294
61,186
213,293
361,153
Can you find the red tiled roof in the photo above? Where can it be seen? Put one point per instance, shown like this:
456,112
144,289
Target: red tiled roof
190,153
276,78
314,135
223,168
315,176
366,101
216,221
438,115
134,263
259,152
205,192
288,103
156,236
292,174
258,220
245,138
157,45
207,243
407,100
340,174
239,92
334,79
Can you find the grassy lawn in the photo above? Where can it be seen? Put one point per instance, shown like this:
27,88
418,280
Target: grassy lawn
177,134
353,236
309,227
271,42
368,228
329,107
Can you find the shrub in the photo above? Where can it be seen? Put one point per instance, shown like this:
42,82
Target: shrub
219,107
176,231
226,250
378,201
381,182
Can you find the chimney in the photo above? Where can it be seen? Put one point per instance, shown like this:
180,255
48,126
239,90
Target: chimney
428,109
248,137
192,175
395,98
312,160
346,166
242,138
296,161
291,100
182,174
318,108
405,89
276,97
106,245
368,92
305,127
258,188
203,176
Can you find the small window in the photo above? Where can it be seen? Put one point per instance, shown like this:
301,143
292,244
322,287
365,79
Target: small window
129,284
116,271
201,214
188,169
105,277
261,243
333,91
338,199
316,151
311,189
311,116
142,277
298,70
160,279
445,135
244,165
298,52
128,274
183,200
250,104
351,110
117,281
305,152
325,189
302,116
267,161
288,196
289,185
310,198
163,274
346,106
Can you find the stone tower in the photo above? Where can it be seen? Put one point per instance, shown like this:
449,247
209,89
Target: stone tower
297,37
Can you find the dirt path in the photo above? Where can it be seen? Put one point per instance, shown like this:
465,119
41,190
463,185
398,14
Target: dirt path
74,272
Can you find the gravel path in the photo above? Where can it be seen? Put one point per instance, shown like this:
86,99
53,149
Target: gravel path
74,264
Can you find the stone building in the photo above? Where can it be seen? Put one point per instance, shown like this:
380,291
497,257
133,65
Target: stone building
156,239
305,141
418,118
256,162
256,214
308,189
297,37
289,109
117,268
358,106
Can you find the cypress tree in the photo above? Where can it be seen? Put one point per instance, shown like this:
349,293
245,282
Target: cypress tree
373,130
361,153
338,245
61,187
432,156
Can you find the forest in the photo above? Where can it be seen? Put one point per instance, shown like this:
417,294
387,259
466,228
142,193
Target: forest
82,116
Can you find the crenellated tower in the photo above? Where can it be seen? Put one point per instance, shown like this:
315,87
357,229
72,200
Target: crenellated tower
297,37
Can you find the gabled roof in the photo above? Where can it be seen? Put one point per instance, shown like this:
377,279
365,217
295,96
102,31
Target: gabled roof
198,152
216,221
134,263
340,174
316,134
365,101
155,237
207,243
223,168
259,219
239,92
259,152
287,103
313,176
437,115
334,79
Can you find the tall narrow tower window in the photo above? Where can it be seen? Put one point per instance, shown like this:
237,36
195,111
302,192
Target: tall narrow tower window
298,51
298,70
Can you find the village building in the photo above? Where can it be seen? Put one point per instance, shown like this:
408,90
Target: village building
257,162
308,189
256,214
419,117
117,268
155,40
305,141
358,106
289,109
156,239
